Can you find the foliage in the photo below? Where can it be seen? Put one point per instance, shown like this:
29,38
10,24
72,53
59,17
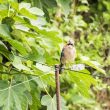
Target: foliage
32,33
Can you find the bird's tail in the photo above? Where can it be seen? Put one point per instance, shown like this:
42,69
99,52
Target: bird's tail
61,69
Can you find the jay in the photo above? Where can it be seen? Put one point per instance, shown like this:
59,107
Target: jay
67,55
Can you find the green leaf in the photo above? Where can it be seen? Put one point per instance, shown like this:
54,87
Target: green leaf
3,13
4,30
84,1
107,4
51,102
79,22
4,51
9,21
45,81
49,34
18,64
83,82
77,99
43,3
3,7
12,97
65,6
21,77
26,13
33,10
16,44
106,16
48,80
78,67
43,68
15,5
83,8
1,59
92,64
36,11
35,93
33,55
24,5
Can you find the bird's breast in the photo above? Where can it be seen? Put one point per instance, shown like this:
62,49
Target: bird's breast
70,54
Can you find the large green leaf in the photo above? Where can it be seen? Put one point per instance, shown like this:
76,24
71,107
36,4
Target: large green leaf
12,96
83,81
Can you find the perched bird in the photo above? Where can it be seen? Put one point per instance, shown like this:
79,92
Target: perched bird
67,55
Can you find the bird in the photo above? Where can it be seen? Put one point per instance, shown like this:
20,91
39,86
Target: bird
67,56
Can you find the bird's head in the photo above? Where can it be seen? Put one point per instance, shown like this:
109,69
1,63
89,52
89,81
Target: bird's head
71,42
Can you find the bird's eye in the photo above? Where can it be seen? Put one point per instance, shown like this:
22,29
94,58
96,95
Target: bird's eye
72,44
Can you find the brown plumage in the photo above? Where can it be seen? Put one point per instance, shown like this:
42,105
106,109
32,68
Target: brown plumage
67,55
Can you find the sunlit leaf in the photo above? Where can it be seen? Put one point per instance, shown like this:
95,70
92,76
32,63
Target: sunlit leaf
18,64
78,67
36,11
26,13
44,68
24,5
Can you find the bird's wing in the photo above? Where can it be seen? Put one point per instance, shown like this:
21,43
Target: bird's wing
62,57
